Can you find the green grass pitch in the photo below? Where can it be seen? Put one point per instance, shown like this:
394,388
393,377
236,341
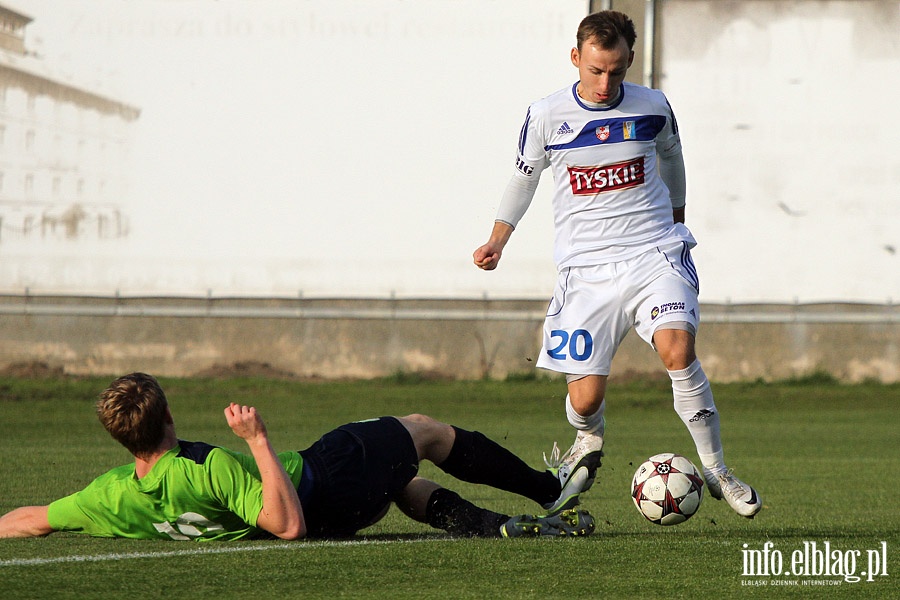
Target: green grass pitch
823,456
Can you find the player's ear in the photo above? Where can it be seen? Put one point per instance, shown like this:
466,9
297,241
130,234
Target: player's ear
576,57
631,59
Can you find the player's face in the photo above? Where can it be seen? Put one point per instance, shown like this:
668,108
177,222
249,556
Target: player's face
601,71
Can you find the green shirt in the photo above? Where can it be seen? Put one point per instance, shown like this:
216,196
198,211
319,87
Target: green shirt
194,492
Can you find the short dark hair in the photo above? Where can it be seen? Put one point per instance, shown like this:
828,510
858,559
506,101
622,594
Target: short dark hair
133,411
607,27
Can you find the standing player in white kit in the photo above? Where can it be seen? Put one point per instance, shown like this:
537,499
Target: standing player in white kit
621,248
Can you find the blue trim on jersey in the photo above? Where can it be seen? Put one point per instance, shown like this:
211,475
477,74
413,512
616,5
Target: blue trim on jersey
672,116
524,133
195,451
640,128
597,108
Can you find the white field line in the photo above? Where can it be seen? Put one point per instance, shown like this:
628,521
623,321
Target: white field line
296,546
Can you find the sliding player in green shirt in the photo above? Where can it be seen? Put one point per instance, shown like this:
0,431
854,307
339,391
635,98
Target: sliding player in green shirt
344,482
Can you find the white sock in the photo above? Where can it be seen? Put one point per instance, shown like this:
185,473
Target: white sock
694,404
594,423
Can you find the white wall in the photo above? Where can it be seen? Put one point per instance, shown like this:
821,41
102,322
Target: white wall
334,147
360,147
789,121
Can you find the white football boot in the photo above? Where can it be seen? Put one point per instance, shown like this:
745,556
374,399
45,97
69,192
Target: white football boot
742,498
575,469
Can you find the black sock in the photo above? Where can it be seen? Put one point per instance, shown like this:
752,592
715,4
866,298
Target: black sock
448,511
476,459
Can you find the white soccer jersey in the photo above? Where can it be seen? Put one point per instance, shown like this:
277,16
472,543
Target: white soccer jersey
609,201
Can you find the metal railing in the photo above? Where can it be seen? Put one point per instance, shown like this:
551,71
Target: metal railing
395,310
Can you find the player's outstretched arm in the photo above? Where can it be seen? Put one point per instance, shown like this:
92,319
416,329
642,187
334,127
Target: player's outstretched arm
281,513
488,255
27,521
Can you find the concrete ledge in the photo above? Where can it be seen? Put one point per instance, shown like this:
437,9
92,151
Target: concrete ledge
336,338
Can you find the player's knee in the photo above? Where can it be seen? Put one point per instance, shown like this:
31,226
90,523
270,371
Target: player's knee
419,419
586,394
426,428
677,354
673,335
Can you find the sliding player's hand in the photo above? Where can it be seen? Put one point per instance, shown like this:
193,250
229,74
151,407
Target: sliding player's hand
245,422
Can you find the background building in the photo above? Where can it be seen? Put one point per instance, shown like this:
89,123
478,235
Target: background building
309,180
63,149
266,163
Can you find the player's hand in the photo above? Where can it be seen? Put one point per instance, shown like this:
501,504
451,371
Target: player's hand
245,422
486,257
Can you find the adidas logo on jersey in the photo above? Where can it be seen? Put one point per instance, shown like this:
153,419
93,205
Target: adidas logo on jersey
702,415
564,129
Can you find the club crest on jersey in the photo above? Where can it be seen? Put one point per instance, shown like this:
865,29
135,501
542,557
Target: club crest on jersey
588,181
602,133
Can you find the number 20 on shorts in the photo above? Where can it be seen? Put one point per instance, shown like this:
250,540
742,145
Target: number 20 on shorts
579,345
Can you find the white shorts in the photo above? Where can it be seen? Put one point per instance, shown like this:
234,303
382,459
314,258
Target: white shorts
593,308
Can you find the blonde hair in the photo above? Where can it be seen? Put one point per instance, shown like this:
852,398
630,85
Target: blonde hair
133,410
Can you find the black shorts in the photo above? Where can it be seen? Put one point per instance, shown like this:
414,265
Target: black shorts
355,471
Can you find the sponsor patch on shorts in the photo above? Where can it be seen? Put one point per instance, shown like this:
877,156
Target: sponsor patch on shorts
667,308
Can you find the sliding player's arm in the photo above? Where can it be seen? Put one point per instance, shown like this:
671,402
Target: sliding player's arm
27,521
281,512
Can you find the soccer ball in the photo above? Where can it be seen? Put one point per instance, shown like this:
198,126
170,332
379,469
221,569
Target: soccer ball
667,489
